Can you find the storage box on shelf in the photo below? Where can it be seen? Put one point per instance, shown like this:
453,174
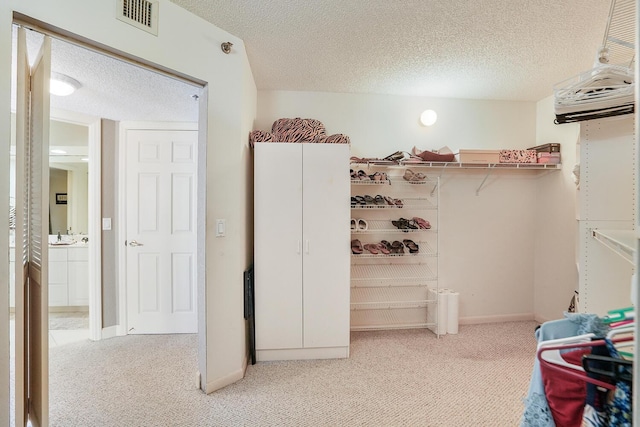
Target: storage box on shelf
549,158
517,156
479,156
546,148
390,283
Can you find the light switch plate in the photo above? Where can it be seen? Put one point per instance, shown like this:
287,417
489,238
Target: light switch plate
220,227
106,223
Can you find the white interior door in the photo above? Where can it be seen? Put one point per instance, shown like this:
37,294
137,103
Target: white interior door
161,231
32,194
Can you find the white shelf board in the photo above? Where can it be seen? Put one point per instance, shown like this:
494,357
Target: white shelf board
622,242
458,165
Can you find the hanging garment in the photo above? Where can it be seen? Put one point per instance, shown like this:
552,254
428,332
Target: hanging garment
566,397
619,409
537,412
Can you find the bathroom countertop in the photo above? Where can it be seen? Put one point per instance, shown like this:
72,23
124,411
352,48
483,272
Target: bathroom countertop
68,245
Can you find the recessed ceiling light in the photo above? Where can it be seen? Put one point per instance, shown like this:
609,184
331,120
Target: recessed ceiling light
63,85
56,151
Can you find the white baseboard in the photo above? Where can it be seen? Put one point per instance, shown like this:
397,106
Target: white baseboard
121,330
475,320
541,319
224,381
303,354
110,332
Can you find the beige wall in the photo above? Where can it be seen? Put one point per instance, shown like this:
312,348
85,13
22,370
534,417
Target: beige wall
109,209
381,124
190,46
556,273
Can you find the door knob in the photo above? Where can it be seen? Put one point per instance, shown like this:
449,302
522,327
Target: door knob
134,243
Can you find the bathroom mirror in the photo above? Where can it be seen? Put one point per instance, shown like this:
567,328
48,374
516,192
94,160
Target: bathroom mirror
68,178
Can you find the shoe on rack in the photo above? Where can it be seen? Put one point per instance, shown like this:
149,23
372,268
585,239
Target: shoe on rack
371,248
383,248
408,175
411,245
362,176
362,225
414,177
397,247
356,247
422,223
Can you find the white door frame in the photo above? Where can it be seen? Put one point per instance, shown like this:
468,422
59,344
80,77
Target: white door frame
121,253
94,214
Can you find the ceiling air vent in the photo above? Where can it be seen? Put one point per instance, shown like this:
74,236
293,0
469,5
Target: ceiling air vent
142,14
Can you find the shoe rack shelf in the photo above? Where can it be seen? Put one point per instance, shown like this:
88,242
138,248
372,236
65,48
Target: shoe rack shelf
388,274
395,291
412,203
425,250
397,318
396,297
385,226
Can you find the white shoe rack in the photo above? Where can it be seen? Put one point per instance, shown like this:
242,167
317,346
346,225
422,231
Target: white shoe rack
395,291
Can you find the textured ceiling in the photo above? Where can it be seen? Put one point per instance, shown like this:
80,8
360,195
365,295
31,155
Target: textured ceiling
489,49
111,88
482,49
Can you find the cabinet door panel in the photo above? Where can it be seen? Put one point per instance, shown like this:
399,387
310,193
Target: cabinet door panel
326,234
78,283
278,245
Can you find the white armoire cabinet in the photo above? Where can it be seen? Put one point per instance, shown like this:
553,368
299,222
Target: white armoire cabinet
301,250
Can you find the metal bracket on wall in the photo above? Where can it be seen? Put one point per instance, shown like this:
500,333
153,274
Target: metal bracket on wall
489,170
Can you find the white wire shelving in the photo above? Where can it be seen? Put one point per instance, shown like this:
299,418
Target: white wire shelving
622,242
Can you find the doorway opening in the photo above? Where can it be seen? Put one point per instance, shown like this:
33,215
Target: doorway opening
85,301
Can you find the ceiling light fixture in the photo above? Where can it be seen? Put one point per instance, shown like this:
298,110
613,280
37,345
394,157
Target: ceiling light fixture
428,117
63,85
56,151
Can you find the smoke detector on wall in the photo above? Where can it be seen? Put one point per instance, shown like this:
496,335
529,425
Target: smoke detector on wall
142,14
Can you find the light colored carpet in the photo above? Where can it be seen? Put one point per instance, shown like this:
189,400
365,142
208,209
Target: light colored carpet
69,320
392,378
